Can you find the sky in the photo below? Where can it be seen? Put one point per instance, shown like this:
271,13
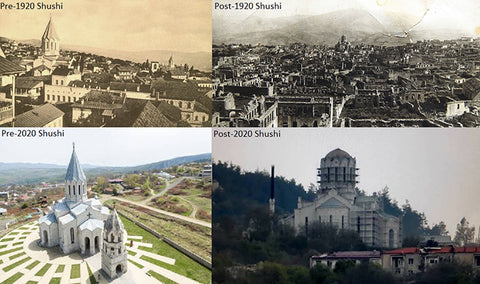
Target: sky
436,170
108,146
461,14
125,25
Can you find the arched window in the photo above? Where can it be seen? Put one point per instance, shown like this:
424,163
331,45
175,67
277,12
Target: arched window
79,190
111,238
391,238
72,235
69,190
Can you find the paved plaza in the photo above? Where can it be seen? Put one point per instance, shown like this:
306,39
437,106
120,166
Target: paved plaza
21,259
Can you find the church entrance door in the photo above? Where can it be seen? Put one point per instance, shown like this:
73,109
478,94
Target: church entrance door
118,270
87,245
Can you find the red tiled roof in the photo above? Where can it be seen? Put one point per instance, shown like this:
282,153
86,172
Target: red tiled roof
402,251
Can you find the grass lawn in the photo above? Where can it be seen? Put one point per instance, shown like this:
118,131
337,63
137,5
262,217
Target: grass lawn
14,233
16,255
3,246
33,264
60,268
22,238
136,264
193,237
13,265
75,272
9,251
26,233
131,253
90,275
43,270
6,239
14,278
183,264
17,243
32,282
55,280
160,278
23,228
135,197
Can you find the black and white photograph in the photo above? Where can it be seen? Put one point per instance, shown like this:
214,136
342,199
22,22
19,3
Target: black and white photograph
354,63
101,64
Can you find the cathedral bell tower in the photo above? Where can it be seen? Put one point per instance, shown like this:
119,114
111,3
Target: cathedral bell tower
50,40
114,253
75,181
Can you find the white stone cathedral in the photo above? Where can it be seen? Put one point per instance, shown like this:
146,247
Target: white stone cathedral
339,203
75,223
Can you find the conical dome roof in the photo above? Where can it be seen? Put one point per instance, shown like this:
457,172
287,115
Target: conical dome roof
50,32
74,170
113,223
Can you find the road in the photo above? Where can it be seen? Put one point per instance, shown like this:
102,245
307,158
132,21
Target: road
181,217
167,187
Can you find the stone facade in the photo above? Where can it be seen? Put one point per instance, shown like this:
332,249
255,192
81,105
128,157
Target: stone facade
339,203
114,253
75,223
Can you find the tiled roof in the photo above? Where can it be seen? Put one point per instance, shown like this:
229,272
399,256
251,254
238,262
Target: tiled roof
7,67
39,116
27,83
172,112
402,251
150,116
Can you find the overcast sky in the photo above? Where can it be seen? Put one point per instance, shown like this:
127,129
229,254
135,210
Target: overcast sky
435,169
119,25
461,14
109,146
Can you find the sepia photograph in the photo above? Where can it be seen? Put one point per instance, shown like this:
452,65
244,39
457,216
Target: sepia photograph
355,63
78,209
363,205
102,64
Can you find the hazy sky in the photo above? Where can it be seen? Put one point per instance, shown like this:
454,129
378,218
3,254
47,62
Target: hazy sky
435,169
120,25
461,14
109,146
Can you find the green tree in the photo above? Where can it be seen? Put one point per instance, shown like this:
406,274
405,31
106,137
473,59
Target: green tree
464,234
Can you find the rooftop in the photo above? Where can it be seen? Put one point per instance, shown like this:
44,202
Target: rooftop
39,116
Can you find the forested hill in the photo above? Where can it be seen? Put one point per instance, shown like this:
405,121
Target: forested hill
238,192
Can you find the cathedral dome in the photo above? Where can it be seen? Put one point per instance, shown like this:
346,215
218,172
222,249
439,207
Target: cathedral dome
337,153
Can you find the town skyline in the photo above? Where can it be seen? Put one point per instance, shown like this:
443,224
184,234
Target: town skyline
113,25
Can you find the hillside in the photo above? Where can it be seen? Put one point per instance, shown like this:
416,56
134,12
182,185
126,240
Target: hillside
25,173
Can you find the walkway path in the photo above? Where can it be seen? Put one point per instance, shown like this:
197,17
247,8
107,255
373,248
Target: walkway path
39,264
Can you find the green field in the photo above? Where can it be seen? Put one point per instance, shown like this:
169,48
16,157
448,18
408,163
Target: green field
43,270
33,264
13,265
136,264
183,264
55,280
60,268
195,238
10,250
14,278
160,278
75,272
